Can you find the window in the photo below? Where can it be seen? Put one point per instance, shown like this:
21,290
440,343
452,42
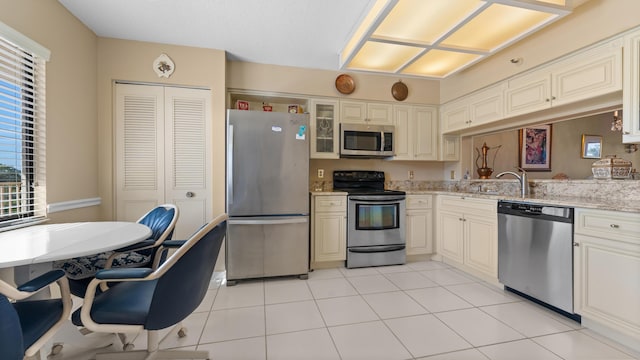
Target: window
22,129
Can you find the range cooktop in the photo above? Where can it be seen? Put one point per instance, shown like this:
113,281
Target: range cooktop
362,182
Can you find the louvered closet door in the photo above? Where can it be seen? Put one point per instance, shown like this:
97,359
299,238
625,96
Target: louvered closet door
188,160
139,150
163,153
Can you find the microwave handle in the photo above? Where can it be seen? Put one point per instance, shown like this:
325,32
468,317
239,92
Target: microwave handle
381,140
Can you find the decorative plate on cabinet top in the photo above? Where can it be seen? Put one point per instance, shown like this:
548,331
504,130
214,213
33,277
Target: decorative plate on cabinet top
399,91
345,84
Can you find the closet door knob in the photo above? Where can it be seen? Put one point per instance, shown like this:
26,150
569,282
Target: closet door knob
190,194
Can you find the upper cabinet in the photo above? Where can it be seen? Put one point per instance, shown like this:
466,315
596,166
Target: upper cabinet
324,129
631,89
592,73
479,108
416,132
354,112
449,148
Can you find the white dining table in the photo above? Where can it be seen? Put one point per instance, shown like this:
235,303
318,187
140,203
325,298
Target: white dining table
50,242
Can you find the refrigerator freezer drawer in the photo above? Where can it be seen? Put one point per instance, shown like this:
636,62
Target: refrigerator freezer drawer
264,246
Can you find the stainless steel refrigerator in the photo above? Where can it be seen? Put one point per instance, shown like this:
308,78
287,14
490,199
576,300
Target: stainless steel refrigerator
267,194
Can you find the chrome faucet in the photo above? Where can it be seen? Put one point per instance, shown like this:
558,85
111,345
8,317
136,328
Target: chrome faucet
522,178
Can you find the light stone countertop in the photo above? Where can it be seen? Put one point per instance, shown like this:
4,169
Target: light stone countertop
569,201
611,204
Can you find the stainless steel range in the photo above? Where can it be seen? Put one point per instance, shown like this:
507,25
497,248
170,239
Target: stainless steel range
375,219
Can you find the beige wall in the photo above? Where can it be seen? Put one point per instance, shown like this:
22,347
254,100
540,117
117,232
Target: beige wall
72,157
594,21
132,61
321,83
394,170
566,147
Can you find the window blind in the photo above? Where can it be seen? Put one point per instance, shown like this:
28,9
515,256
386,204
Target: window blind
22,135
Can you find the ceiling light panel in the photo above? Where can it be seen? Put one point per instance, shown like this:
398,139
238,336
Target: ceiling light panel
439,63
424,21
437,38
495,27
377,56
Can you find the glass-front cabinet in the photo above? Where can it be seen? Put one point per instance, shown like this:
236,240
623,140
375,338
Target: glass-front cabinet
324,129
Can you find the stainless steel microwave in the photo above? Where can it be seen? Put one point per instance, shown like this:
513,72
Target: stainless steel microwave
361,140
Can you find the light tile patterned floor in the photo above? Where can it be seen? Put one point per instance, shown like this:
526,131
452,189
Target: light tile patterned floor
422,310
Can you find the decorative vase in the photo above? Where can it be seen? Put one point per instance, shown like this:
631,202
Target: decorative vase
484,171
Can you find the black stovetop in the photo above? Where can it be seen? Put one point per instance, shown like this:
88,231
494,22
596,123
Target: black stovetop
362,182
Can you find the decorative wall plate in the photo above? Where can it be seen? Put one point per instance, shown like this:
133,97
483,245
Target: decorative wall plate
163,66
345,84
399,91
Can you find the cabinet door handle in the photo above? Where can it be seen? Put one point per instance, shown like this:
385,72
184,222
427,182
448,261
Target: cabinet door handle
614,226
576,244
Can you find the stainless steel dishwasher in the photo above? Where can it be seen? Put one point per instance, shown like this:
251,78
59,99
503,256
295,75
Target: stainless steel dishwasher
535,252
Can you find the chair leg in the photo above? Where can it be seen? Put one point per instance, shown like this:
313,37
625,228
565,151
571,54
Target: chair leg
153,352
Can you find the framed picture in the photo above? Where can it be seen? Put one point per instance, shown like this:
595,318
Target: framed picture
535,148
591,146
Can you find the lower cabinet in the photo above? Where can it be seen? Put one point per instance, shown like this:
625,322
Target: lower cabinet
607,269
329,228
419,224
466,232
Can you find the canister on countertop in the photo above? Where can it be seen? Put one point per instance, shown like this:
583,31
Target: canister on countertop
611,167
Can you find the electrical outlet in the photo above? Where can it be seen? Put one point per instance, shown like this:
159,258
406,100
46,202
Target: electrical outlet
410,174
320,173
453,174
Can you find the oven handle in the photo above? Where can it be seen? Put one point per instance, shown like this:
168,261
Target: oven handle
377,249
375,198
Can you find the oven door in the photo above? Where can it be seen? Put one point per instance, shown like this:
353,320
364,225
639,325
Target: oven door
375,220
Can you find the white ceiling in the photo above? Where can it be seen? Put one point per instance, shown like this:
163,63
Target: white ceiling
300,33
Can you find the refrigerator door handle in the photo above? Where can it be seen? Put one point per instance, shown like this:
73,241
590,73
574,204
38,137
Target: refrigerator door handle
269,221
230,166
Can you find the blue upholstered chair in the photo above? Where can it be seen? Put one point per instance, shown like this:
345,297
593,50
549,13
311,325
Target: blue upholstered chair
155,299
25,326
161,220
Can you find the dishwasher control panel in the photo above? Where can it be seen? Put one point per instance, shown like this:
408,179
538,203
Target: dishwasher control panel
531,209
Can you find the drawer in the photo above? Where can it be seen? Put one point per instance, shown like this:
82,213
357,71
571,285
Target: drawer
331,203
467,205
419,201
615,225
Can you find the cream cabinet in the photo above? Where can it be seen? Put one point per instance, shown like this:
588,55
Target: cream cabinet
354,112
631,89
594,72
329,228
477,109
419,222
466,232
324,129
607,269
449,148
416,132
